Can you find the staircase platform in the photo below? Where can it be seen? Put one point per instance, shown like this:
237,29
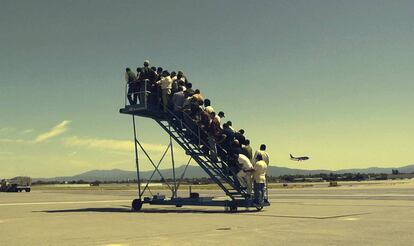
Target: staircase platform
148,111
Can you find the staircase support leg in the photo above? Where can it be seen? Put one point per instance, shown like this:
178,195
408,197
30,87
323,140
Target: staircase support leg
136,157
173,164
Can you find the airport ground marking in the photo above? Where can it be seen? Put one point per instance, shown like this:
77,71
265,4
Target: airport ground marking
57,203
307,217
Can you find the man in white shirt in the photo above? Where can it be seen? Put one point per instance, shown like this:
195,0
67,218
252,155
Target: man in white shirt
165,82
219,116
259,177
262,152
207,106
245,174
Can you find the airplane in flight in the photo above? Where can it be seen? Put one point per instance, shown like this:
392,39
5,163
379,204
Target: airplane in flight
301,158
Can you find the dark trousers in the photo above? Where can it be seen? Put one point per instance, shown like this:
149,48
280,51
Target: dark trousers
259,193
132,94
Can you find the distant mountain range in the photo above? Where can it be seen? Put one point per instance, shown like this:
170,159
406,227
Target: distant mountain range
197,172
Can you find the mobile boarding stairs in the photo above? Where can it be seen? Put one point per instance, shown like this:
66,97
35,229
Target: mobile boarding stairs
189,137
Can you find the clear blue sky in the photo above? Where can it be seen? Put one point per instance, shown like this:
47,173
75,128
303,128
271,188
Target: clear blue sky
329,79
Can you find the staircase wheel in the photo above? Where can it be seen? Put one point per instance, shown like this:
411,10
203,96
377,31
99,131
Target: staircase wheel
136,205
233,209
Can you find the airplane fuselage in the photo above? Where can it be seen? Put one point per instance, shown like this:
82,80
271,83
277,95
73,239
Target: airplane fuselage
302,158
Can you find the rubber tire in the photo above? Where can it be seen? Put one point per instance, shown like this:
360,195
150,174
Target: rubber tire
233,209
136,205
28,190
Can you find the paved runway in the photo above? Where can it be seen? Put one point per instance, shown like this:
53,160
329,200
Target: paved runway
361,214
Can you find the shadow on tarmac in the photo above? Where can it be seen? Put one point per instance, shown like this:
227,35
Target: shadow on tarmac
98,210
149,210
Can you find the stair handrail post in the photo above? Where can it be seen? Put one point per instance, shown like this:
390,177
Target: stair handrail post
199,138
145,93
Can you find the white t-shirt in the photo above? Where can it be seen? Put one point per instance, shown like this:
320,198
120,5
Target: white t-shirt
218,119
245,162
264,155
165,83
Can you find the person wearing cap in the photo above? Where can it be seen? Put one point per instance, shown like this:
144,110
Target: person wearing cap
165,83
259,178
219,116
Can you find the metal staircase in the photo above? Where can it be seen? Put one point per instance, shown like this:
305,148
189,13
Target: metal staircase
218,170
191,137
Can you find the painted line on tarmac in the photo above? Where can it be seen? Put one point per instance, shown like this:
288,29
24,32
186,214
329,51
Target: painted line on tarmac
306,217
57,203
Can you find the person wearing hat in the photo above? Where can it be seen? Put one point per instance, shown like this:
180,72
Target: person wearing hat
219,116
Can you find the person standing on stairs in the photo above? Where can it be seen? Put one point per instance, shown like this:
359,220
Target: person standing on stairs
131,78
165,83
247,149
245,174
262,152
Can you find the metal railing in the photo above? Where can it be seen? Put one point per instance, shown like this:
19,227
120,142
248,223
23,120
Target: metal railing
193,129
134,92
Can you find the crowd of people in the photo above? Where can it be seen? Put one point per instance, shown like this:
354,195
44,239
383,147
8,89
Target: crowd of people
173,92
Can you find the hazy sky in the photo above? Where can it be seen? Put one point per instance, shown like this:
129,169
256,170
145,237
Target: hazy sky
329,79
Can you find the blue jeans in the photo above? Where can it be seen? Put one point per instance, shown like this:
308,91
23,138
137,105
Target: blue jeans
259,193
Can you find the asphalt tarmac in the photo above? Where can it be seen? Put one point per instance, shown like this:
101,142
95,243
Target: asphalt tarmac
352,214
